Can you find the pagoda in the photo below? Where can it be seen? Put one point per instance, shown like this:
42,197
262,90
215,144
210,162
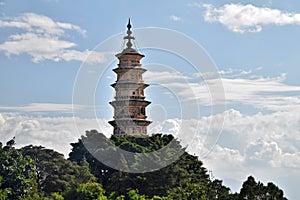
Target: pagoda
129,102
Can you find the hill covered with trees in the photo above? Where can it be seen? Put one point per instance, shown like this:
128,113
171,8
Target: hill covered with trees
34,172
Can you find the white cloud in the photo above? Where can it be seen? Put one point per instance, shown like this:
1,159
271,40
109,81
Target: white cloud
263,145
42,40
262,151
248,18
266,138
40,24
226,163
39,107
240,87
229,73
263,93
40,48
259,141
175,18
2,121
51,132
168,126
270,154
51,109
164,76
290,160
86,56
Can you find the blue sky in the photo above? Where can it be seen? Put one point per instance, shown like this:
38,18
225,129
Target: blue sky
254,45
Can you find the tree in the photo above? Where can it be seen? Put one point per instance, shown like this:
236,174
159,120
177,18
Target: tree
218,191
87,191
80,153
18,180
3,192
186,170
54,173
250,189
273,192
56,196
196,191
134,195
257,191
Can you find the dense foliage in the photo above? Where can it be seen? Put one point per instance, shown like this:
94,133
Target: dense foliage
53,172
34,172
17,177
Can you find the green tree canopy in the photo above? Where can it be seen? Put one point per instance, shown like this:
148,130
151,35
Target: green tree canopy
17,177
257,191
87,191
185,174
55,173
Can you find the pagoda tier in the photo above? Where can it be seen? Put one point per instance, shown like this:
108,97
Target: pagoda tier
129,90
129,105
130,109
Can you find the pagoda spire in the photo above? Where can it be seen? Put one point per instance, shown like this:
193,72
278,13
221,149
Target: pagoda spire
129,37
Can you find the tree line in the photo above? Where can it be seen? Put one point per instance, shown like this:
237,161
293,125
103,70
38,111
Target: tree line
35,172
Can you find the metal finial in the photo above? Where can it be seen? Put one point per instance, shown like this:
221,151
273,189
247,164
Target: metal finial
129,37
129,25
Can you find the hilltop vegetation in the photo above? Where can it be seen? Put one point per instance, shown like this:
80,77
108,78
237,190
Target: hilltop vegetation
34,172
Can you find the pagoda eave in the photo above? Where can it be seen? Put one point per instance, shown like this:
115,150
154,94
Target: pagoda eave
119,55
127,84
127,68
129,121
130,102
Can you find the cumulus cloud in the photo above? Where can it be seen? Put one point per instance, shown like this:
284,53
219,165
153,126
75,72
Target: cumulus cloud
226,163
269,140
264,145
41,38
247,142
52,132
248,18
263,138
270,154
262,151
